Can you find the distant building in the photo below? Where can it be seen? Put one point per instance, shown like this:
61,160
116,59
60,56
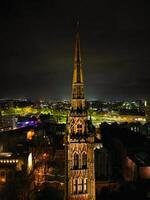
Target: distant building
7,123
9,103
138,128
11,165
147,111
103,164
137,166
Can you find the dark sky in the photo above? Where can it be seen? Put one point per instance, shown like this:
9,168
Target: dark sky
37,48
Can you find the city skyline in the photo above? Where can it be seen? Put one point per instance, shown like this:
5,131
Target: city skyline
37,44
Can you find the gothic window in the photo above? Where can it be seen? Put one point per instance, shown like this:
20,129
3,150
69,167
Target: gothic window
76,161
79,128
74,92
80,186
85,185
72,130
75,184
78,92
84,160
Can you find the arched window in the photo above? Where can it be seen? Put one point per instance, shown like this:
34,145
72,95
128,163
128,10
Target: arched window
85,185
75,186
79,128
80,185
76,161
84,160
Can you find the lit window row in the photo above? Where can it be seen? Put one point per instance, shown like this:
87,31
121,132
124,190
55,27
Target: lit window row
8,161
136,129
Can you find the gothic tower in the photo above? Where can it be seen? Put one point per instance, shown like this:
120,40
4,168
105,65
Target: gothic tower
79,141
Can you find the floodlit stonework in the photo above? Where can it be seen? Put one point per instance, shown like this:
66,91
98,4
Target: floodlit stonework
79,140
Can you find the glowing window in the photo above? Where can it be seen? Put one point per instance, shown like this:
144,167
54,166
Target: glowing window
75,186
80,186
85,185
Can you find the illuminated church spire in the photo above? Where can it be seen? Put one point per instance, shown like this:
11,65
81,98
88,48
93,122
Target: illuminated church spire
79,140
78,74
77,101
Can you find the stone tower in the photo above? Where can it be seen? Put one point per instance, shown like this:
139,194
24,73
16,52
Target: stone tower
79,140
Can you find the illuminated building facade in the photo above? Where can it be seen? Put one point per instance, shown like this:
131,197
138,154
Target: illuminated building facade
9,165
79,141
137,167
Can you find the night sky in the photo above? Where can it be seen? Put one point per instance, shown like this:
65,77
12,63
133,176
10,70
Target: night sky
37,48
